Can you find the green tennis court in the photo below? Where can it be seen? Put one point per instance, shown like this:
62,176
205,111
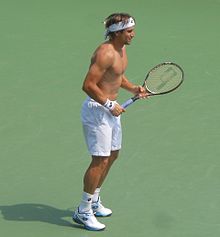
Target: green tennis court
167,180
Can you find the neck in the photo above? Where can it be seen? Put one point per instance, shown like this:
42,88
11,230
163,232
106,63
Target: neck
117,45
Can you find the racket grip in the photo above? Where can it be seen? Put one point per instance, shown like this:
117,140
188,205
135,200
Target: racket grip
127,103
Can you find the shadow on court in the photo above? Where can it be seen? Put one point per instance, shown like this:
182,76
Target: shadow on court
37,212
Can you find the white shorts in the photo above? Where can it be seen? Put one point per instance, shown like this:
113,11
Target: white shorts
101,129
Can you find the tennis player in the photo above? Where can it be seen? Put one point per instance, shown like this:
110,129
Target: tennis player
101,114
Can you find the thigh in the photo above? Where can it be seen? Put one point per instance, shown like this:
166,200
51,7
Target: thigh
98,140
116,135
97,129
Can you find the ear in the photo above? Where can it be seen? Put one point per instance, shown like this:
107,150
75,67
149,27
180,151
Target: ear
117,33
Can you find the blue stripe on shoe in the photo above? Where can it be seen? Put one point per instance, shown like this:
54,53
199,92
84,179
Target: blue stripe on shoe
98,214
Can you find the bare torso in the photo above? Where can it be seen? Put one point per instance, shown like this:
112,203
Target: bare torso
111,80
106,72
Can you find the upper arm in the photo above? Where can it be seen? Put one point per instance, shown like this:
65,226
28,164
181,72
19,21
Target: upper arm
126,84
101,61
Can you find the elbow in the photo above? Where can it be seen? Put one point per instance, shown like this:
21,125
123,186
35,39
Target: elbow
85,87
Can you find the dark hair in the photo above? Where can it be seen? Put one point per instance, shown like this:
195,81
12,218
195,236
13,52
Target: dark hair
114,19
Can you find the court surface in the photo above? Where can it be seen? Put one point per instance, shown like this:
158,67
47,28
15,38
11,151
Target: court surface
167,180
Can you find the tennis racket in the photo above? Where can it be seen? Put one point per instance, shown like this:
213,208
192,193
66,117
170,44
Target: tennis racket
162,79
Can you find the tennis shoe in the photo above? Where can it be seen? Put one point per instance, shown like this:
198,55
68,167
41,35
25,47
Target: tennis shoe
88,220
99,210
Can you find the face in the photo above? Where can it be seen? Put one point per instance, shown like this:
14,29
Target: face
127,35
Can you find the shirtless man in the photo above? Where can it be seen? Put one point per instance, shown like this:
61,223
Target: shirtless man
101,114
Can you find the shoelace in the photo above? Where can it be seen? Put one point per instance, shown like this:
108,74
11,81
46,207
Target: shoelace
86,213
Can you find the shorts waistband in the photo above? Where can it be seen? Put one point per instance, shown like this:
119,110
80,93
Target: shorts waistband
92,100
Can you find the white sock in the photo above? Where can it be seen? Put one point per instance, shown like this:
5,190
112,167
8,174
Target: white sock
96,195
86,203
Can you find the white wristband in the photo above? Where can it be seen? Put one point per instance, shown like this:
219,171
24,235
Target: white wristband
109,104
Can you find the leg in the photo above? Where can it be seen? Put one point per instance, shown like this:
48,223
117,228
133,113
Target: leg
93,114
84,213
97,206
97,171
94,173
111,159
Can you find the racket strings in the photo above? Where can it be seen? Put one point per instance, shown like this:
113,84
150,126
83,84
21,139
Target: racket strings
164,78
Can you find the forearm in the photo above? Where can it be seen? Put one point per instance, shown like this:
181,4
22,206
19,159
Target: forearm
93,91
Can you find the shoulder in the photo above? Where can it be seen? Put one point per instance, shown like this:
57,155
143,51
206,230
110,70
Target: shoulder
104,54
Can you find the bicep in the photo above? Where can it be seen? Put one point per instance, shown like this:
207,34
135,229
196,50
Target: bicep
126,84
101,63
95,74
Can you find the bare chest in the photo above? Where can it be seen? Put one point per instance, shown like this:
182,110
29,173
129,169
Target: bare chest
119,65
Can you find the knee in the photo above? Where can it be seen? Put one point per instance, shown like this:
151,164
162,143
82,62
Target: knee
105,162
114,155
100,162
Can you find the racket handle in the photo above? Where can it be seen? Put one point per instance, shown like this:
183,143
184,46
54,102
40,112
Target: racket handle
127,103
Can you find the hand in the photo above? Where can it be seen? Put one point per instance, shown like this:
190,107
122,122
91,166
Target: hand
117,110
141,92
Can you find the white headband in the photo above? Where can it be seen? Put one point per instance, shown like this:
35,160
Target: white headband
119,26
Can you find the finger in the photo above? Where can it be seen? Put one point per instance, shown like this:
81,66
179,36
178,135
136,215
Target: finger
140,88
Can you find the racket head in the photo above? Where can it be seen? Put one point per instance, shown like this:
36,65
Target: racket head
164,78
